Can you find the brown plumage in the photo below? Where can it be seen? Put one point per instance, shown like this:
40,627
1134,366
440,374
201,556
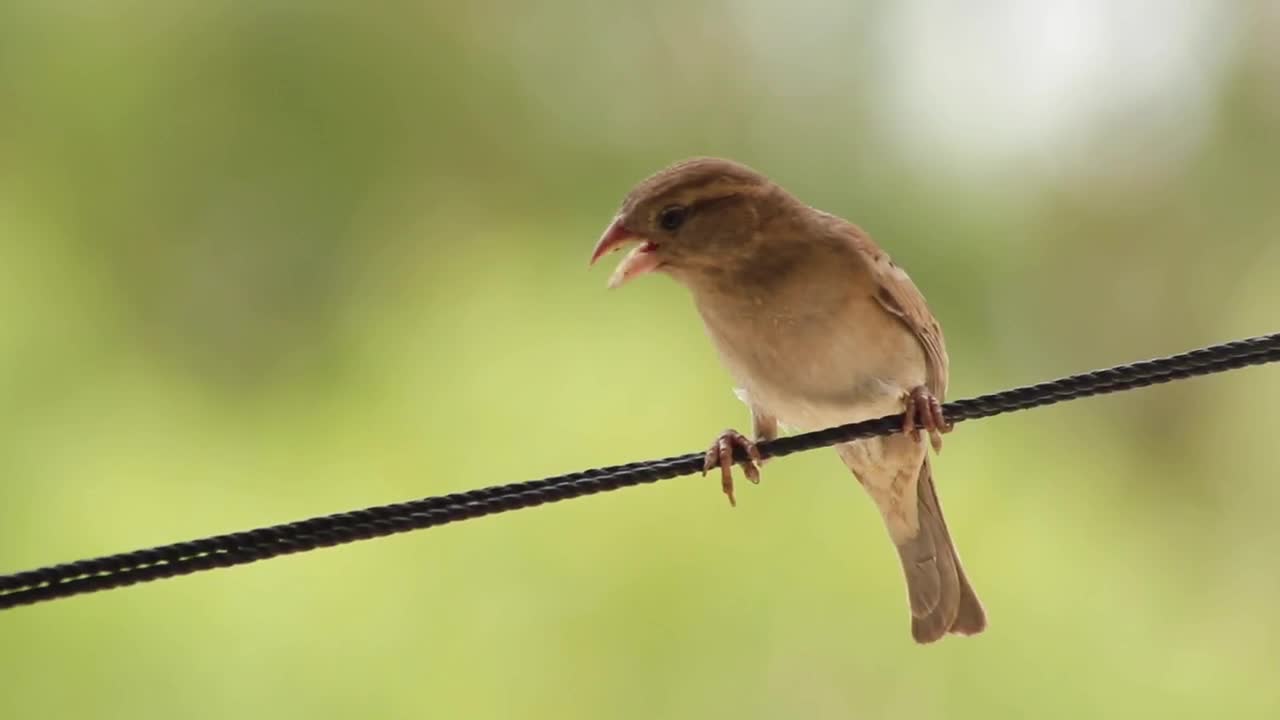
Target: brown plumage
818,327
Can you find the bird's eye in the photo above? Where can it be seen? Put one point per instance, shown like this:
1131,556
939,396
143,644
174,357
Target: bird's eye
671,218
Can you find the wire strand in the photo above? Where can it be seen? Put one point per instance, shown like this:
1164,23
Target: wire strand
240,548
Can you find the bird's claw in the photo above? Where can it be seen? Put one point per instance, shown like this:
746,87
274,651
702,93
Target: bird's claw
721,454
924,411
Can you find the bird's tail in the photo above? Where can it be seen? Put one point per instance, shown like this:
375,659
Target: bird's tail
942,600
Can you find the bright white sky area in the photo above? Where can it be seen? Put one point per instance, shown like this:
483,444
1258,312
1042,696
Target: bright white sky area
993,82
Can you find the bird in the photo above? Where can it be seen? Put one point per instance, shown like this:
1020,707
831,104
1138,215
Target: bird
818,327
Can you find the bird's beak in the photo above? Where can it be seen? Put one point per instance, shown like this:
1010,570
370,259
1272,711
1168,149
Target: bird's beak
642,259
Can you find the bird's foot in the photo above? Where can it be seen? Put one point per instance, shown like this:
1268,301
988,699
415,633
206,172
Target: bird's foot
924,411
721,454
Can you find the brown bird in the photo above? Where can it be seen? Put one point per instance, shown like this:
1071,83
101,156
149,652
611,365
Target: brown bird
818,327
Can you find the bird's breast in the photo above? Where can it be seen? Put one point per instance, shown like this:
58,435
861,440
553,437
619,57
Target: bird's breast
817,368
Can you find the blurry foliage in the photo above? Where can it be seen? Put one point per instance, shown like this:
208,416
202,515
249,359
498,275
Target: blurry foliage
265,260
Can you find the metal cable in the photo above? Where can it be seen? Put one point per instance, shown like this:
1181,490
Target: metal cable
111,571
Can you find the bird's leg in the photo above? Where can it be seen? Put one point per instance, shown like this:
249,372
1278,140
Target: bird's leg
721,453
924,411
765,427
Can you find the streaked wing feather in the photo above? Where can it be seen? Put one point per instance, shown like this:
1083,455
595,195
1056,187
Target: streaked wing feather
900,296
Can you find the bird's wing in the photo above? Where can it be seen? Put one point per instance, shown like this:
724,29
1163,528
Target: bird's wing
899,295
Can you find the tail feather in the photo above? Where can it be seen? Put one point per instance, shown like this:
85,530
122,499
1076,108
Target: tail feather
942,600
972,618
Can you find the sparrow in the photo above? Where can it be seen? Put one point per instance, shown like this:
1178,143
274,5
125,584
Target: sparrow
818,327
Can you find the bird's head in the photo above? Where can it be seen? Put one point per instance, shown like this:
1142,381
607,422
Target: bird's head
696,217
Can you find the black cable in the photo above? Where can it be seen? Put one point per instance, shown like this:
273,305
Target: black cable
102,573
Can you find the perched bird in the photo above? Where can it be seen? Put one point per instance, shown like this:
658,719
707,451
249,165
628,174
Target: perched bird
818,327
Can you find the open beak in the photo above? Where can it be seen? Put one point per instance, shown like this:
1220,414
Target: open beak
642,258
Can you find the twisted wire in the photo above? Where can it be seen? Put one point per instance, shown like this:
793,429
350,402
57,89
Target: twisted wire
240,548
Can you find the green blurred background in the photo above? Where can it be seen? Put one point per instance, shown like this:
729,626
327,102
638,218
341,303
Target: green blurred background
260,261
